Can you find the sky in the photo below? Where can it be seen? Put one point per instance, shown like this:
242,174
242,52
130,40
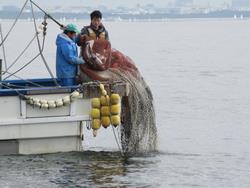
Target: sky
107,3
92,3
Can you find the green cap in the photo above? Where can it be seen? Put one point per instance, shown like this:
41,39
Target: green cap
72,27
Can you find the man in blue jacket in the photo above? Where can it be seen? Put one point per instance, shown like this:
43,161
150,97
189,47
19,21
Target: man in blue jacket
67,56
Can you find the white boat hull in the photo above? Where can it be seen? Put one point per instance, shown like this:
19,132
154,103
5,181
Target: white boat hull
25,129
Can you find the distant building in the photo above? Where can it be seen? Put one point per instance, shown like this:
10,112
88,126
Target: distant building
241,3
213,3
181,3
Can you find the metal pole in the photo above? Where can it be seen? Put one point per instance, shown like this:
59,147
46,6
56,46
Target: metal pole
0,71
4,54
49,16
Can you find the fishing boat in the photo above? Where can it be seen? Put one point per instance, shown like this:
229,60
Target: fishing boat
29,129
41,116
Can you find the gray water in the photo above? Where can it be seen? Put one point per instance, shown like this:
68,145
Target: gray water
199,73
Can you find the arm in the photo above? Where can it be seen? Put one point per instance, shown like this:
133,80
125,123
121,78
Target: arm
68,53
107,35
80,38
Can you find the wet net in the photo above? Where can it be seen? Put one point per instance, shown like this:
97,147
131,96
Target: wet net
138,129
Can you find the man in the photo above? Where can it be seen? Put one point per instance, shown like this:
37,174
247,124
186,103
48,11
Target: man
95,30
67,56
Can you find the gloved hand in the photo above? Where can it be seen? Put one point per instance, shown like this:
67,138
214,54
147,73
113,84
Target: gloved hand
83,39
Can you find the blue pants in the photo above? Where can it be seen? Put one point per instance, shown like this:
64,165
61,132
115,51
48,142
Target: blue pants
67,81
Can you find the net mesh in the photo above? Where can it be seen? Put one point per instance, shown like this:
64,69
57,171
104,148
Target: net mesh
138,130
97,53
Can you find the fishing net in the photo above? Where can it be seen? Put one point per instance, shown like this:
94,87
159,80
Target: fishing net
97,54
138,129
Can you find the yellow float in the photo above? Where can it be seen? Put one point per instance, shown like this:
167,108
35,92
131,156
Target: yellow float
95,103
115,109
115,120
105,120
96,124
105,111
95,113
105,100
115,98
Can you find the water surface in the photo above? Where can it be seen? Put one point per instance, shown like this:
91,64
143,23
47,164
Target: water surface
199,73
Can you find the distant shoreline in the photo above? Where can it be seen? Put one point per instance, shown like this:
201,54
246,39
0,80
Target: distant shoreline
236,14
134,21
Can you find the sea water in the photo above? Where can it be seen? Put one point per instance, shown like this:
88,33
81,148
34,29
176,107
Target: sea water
199,73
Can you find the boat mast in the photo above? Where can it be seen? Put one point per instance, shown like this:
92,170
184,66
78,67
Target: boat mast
0,70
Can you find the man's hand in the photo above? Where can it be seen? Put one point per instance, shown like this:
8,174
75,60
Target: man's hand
83,39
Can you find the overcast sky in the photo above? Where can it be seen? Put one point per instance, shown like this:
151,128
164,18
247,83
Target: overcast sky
109,3
92,3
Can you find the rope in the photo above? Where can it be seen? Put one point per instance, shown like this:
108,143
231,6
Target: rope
20,55
118,133
4,55
23,66
25,49
14,86
88,124
4,85
116,139
33,83
44,23
13,25
39,45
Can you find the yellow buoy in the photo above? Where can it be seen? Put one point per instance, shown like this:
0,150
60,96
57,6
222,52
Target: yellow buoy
105,111
115,109
105,121
104,92
95,102
115,120
95,113
105,100
96,124
101,87
115,98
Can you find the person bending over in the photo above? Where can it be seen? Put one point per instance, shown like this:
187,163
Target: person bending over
67,56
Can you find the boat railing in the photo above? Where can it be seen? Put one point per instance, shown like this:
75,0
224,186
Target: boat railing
33,86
